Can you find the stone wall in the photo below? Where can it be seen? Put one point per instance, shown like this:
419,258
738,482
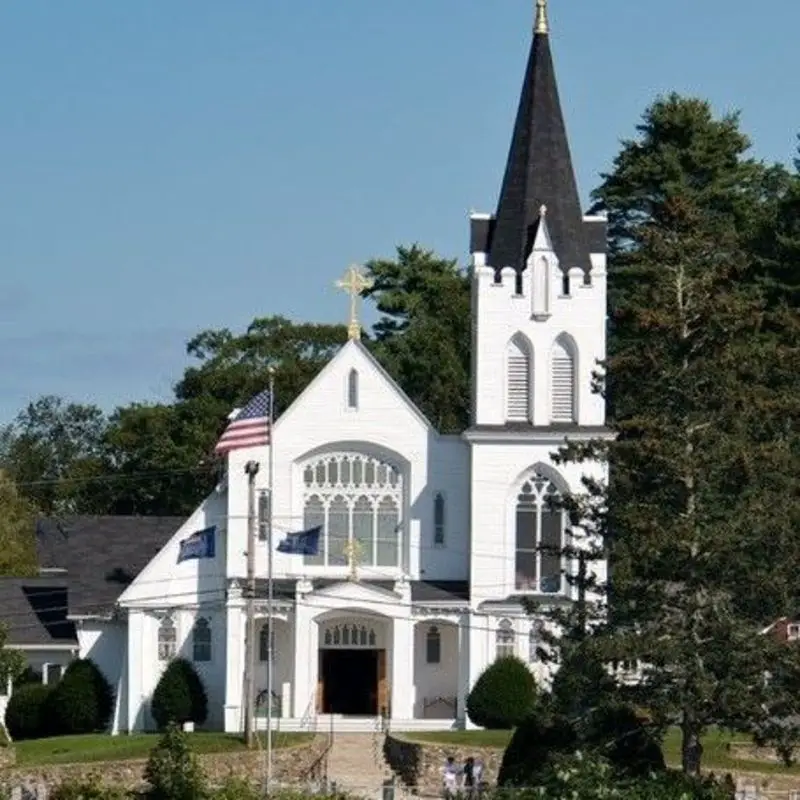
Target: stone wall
295,764
419,764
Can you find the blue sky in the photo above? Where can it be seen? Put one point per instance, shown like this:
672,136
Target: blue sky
173,166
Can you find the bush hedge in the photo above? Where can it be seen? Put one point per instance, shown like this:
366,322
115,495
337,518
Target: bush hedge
179,696
83,701
503,696
27,714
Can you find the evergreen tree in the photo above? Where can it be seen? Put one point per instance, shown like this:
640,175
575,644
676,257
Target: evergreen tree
697,422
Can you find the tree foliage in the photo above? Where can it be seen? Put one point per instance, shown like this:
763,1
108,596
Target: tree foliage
503,695
17,543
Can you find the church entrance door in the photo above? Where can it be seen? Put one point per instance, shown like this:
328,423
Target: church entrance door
349,681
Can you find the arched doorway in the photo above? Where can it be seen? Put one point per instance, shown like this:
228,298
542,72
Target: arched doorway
352,676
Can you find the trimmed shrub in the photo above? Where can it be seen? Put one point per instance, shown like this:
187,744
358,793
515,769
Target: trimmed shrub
172,769
83,700
179,696
503,696
26,712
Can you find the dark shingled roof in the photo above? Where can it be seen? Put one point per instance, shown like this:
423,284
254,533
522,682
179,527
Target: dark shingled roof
90,560
538,173
421,591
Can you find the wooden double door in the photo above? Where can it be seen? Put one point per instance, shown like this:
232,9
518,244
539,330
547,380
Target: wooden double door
352,681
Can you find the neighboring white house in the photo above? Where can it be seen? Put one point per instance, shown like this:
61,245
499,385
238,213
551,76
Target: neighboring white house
450,526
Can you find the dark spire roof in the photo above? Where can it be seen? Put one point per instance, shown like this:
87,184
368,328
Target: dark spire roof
539,172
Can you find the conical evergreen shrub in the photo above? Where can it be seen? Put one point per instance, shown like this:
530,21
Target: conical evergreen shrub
82,701
503,696
179,696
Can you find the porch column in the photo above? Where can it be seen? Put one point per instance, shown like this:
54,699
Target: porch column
463,666
234,660
136,656
305,656
402,689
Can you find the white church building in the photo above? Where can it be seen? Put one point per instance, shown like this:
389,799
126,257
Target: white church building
449,526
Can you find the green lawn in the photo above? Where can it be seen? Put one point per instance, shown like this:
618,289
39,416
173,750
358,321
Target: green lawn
715,743
102,747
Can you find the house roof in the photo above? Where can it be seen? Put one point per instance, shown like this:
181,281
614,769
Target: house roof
34,611
539,178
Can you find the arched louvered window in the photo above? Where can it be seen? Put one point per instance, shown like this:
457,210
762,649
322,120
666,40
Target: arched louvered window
504,639
201,640
352,389
518,381
562,381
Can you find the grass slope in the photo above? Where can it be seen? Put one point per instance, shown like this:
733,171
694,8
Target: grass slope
102,747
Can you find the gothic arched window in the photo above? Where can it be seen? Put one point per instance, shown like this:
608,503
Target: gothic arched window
354,498
518,381
504,639
562,381
201,640
167,640
352,389
540,528
433,645
438,519
535,640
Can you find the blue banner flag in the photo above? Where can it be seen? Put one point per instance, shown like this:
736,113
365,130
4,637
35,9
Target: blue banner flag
200,544
304,543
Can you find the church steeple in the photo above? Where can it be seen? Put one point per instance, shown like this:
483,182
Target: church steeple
539,172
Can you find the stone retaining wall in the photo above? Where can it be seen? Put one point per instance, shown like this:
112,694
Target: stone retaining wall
419,764
290,765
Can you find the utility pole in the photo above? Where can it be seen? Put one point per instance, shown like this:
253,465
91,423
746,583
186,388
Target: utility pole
270,598
251,470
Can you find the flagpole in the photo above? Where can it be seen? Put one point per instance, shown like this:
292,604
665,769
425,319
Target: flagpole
271,477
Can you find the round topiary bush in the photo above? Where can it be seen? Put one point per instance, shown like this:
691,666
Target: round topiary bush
179,696
26,713
503,696
83,700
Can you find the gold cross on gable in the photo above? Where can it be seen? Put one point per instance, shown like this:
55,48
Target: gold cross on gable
354,281
353,551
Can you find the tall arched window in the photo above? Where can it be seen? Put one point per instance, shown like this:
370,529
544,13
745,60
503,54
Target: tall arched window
354,497
265,643
167,640
201,640
535,640
352,389
433,645
438,519
540,528
504,639
562,381
518,381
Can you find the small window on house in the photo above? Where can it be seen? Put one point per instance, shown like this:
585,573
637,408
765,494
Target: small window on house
793,631
504,639
438,519
167,640
52,673
433,645
352,389
565,284
201,640
266,644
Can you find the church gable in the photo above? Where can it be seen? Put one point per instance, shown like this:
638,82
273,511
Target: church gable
352,391
190,568
356,592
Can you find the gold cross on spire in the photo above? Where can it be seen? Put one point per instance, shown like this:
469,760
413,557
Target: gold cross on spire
541,25
353,551
354,281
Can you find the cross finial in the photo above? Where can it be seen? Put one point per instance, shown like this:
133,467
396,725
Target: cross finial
354,281
353,551
541,25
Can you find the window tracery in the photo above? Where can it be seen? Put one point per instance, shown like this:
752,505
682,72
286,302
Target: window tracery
167,640
349,635
354,497
201,640
504,639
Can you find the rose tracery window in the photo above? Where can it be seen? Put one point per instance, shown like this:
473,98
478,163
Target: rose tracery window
540,527
354,497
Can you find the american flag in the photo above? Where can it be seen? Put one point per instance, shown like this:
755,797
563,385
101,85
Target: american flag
250,428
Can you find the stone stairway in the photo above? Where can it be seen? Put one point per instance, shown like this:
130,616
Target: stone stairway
356,764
